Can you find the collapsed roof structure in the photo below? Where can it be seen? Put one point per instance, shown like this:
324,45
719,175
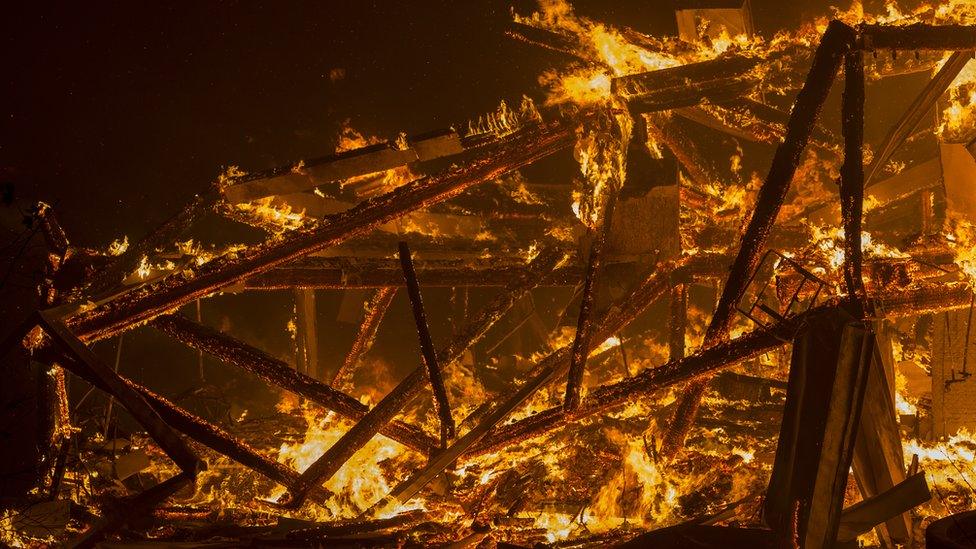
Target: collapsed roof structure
811,278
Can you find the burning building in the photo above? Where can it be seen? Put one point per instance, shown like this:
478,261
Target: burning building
740,321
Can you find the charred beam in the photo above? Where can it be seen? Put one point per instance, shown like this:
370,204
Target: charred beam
372,317
677,321
441,404
852,177
918,36
317,171
276,372
836,42
584,323
490,162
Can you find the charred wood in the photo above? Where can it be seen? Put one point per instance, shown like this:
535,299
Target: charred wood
584,324
276,372
159,430
852,177
372,317
441,403
918,36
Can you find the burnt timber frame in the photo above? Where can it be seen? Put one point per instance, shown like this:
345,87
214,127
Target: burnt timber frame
841,45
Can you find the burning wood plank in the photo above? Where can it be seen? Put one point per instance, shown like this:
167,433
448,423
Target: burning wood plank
836,41
492,161
408,388
899,499
278,373
372,317
167,233
344,165
441,403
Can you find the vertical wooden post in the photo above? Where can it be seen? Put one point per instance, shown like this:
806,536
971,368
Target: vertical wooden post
306,334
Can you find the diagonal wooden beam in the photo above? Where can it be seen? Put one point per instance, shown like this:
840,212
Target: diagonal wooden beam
372,317
920,106
584,323
276,372
441,403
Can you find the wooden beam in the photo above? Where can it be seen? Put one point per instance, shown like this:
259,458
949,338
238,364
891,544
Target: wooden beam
584,323
917,36
828,377
441,403
372,317
276,372
306,334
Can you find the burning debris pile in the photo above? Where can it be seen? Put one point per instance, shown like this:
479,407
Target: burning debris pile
738,300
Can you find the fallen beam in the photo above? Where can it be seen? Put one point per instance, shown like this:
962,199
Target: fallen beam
489,163
276,372
866,514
